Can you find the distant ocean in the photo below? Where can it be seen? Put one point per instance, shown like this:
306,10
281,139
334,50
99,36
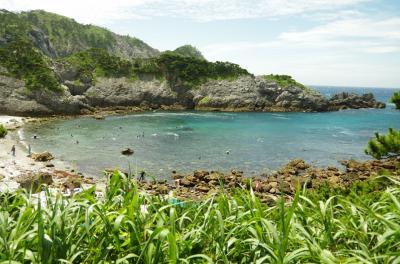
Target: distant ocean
184,141
381,94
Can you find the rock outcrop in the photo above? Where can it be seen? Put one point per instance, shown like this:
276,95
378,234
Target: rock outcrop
352,101
250,93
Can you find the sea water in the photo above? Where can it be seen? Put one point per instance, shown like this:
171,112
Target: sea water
185,141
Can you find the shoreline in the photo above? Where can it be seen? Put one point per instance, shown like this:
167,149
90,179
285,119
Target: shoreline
15,168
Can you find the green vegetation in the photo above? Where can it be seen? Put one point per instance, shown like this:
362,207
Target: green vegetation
283,80
3,131
65,34
99,62
26,63
384,146
396,99
190,72
131,227
178,70
189,51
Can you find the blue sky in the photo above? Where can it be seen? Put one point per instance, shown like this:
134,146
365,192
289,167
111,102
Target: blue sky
326,42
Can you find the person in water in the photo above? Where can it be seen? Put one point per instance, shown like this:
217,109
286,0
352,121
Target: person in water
29,150
13,150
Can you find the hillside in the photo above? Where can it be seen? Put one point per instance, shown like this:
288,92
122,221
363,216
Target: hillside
59,36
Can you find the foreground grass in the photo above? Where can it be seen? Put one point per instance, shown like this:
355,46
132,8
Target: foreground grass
129,227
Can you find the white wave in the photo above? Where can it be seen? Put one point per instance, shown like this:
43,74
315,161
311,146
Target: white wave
172,134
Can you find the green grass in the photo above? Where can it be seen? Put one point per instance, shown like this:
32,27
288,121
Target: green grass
362,228
3,131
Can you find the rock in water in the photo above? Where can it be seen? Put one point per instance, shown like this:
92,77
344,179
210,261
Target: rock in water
346,100
44,156
127,152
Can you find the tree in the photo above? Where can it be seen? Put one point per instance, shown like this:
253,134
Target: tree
384,146
396,99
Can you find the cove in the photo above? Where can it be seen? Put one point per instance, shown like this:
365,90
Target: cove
185,141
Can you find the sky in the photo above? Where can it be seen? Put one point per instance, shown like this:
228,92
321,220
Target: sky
318,42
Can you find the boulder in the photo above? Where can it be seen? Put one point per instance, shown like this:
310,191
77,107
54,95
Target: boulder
32,182
42,157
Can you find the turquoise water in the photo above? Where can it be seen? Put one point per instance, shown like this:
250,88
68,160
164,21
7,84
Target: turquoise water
184,141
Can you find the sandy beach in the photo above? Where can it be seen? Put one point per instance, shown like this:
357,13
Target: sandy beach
12,167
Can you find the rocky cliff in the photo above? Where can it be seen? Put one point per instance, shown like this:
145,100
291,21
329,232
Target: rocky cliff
246,93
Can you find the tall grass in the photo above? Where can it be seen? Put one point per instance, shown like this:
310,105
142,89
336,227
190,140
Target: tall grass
127,226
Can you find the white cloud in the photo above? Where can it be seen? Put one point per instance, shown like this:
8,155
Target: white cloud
387,29
351,35
85,11
362,51
101,11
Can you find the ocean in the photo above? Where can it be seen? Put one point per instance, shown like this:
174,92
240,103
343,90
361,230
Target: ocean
184,141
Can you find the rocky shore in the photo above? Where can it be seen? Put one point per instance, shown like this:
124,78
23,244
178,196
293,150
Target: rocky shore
296,174
246,93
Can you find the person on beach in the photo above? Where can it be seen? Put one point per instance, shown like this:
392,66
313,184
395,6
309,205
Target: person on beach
13,150
29,150
141,176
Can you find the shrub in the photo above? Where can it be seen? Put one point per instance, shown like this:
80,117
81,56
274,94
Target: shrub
396,99
3,131
384,146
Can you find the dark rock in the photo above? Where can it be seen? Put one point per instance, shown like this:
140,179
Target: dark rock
346,100
127,152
